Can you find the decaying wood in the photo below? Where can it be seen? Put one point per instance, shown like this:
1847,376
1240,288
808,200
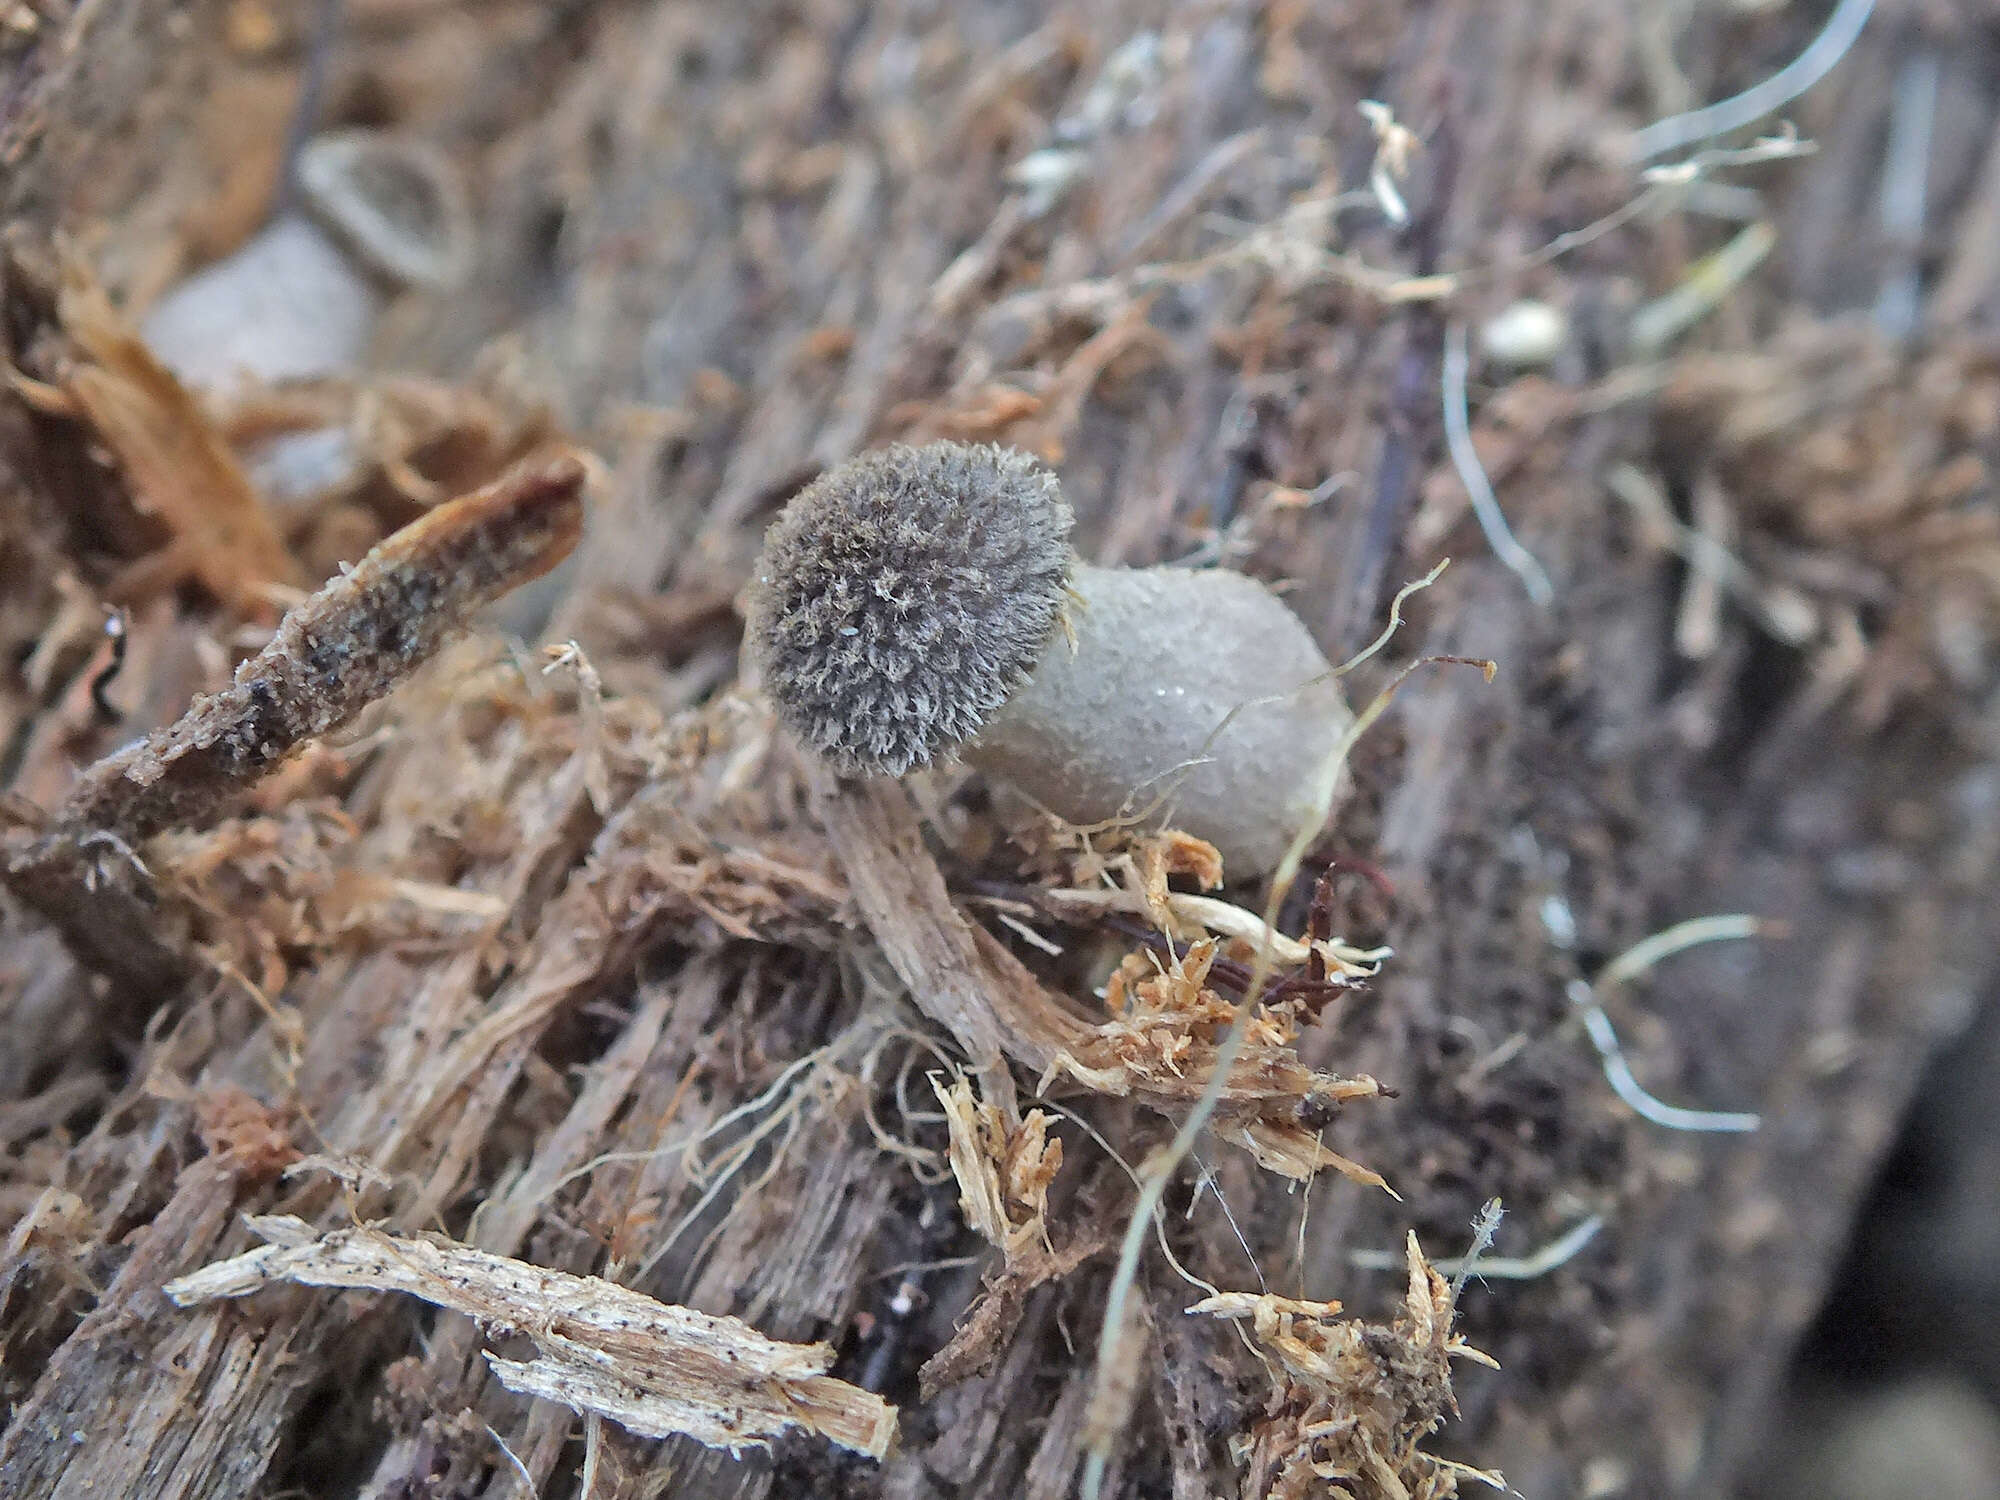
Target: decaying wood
572,959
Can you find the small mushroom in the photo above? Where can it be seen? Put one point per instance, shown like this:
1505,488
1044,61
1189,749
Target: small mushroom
917,603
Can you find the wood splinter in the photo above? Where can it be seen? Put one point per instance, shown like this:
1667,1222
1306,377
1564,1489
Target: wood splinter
655,1368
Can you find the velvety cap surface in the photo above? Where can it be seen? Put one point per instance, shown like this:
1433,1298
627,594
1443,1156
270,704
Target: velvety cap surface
904,595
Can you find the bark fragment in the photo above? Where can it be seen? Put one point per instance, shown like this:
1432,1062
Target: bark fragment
653,1368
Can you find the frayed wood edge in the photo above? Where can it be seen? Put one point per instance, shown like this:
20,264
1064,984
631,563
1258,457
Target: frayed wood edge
992,1006
1355,1401
1003,1180
1003,1176
601,1349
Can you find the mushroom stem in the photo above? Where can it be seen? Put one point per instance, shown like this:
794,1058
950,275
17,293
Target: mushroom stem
1195,699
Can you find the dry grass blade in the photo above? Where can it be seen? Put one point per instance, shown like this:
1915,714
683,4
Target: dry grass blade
600,1348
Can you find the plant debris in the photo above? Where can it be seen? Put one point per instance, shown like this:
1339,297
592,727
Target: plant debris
1351,1402
1162,1044
341,650
587,970
1160,1051
600,1348
1003,1187
331,657
179,471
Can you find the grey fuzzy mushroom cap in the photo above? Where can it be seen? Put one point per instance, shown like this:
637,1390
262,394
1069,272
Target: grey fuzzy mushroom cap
904,595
